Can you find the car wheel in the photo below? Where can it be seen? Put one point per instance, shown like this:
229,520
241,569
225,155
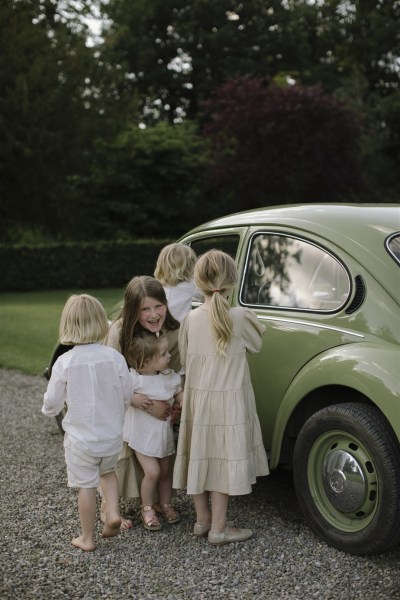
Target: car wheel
346,470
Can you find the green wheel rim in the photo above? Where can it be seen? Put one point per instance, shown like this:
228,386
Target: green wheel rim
337,506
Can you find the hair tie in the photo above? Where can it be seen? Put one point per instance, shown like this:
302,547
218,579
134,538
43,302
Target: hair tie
215,291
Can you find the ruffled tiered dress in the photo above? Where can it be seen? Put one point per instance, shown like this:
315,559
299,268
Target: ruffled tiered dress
220,446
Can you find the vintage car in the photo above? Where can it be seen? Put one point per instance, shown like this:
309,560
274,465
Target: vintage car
325,281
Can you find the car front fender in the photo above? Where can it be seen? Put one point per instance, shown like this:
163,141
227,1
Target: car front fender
368,368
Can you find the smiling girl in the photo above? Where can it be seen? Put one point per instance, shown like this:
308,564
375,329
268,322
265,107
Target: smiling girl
145,309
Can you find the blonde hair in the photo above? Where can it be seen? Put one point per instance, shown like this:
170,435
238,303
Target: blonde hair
144,347
83,321
175,263
215,274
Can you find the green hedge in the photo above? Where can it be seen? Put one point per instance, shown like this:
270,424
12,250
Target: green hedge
76,265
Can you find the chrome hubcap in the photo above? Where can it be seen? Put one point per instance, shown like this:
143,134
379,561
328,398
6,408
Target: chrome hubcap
344,481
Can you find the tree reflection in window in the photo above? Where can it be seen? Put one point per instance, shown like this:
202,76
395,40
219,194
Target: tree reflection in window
287,272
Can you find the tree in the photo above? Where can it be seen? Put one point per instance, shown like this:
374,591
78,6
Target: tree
176,53
276,145
145,183
49,114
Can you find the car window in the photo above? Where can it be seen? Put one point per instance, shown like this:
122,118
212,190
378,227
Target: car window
393,245
287,272
226,243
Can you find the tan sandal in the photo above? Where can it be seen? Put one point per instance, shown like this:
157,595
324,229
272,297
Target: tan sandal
151,522
169,513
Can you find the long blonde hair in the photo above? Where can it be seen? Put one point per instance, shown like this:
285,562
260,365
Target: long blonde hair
175,263
83,321
215,274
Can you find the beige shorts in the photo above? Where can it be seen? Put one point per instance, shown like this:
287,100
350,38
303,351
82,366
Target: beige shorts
84,471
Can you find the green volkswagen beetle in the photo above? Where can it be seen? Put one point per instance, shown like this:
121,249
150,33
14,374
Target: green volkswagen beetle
325,280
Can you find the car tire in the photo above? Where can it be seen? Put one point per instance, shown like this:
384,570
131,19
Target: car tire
346,470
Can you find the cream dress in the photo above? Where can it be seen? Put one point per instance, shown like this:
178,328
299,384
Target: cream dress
220,446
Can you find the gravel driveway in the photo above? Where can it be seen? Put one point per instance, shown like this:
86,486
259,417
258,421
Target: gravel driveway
39,516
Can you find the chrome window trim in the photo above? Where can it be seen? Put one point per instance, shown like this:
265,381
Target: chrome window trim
288,308
389,250
310,324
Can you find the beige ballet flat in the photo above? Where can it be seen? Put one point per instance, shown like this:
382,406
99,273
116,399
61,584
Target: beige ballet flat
200,530
227,536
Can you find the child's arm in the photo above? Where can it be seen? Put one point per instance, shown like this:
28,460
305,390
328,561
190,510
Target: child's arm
179,398
55,395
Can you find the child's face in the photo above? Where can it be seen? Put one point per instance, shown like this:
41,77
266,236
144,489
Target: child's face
160,362
152,314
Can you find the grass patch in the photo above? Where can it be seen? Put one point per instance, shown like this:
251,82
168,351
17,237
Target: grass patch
30,321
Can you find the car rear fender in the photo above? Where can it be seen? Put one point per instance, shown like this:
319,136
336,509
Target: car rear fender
368,370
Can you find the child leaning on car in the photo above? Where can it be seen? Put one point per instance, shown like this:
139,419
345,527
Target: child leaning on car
174,270
95,383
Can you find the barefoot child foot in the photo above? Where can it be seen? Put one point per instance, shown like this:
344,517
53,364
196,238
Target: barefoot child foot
126,524
83,544
112,525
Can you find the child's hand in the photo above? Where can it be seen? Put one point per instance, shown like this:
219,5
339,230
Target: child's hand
161,410
142,402
176,414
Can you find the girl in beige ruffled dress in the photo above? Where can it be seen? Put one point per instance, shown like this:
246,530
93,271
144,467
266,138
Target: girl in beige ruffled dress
220,448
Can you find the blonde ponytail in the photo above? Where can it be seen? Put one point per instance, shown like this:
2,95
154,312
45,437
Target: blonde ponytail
215,274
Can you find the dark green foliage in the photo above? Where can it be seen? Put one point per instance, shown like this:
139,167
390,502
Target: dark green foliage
86,265
75,163
279,145
48,114
159,176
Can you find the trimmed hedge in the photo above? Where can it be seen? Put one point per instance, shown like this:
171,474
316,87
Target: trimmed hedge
76,265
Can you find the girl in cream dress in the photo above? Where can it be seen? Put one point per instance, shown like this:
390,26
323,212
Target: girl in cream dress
220,448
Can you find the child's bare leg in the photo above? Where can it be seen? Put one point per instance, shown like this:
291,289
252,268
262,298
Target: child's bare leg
165,482
112,518
87,515
151,476
165,492
219,508
125,523
202,507
148,489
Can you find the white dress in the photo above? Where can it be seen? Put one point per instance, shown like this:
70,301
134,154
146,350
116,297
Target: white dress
143,432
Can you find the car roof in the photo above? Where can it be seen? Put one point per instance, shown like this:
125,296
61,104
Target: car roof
359,229
316,217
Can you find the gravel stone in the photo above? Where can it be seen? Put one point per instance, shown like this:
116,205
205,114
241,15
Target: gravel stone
283,559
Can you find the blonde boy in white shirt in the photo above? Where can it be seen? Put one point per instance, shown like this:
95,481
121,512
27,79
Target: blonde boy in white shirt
94,381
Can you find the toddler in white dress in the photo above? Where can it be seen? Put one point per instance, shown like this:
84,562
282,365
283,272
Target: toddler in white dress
152,439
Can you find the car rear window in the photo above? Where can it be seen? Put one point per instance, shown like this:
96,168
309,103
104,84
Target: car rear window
287,272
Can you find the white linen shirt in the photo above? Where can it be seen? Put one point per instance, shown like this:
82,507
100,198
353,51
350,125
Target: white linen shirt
180,298
94,381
